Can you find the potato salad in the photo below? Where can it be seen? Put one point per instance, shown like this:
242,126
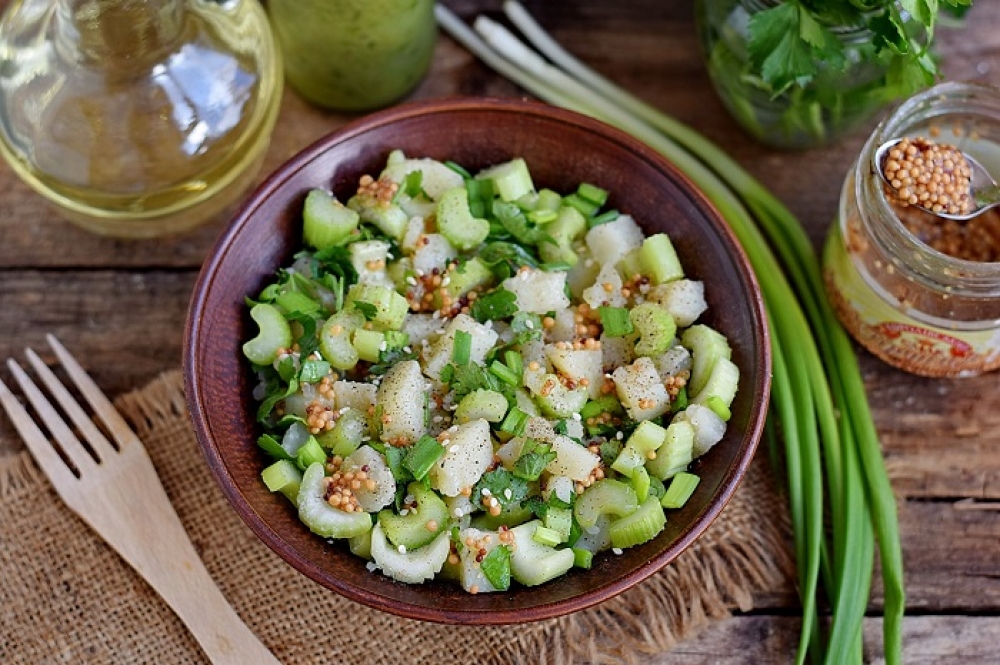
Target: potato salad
465,376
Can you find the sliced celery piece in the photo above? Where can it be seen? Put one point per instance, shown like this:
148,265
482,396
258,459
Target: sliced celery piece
658,259
676,452
456,222
533,563
582,558
390,308
310,453
322,518
680,490
706,346
605,497
656,329
642,525
283,476
347,433
275,334
368,344
326,222
640,482
335,338
546,536
486,404
511,180
422,522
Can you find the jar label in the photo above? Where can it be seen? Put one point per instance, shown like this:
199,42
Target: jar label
897,339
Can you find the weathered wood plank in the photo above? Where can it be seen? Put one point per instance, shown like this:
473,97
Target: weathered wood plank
766,640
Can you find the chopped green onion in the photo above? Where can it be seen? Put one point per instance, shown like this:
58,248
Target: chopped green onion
603,218
515,362
681,488
592,193
461,351
504,373
459,169
616,321
515,422
422,456
586,207
542,216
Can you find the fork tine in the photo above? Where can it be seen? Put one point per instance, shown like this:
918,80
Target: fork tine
98,442
33,436
102,406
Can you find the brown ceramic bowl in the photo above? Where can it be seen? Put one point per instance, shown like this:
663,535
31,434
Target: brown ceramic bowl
562,150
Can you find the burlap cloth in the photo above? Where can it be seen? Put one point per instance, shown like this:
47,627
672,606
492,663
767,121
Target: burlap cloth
66,597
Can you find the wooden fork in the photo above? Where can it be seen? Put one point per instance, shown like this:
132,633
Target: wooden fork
116,490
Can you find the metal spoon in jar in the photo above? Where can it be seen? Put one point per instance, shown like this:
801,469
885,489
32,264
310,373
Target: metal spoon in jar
983,191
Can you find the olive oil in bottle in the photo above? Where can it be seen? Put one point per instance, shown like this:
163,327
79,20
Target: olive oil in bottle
137,118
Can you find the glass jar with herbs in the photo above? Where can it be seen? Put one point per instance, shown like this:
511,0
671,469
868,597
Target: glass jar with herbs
802,73
919,291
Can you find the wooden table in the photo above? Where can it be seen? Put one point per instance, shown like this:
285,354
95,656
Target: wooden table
120,306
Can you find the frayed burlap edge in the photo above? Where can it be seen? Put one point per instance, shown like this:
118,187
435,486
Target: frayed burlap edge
717,574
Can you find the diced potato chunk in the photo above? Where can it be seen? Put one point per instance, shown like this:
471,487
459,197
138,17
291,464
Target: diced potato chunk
538,291
572,459
606,289
468,454
579,365
683,298
709,428
610,242
471,572
433,251
383,493
402,395
640,390
354,395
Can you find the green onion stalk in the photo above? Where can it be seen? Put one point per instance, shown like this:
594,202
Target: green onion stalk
819,408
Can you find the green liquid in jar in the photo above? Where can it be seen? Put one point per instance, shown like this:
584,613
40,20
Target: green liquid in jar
354,55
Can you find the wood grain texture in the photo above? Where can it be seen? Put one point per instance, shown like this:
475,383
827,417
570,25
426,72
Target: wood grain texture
121,305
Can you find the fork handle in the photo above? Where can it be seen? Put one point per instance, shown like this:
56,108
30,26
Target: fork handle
162,552
210,617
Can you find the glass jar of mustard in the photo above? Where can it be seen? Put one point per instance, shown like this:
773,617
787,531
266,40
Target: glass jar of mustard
920,292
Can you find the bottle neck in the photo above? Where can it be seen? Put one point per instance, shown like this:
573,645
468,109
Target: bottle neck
118,34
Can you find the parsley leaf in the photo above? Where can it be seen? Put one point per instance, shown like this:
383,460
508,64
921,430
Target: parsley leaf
497,483
535,456
369,310
494,306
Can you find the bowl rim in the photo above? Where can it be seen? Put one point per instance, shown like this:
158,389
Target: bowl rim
196,397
